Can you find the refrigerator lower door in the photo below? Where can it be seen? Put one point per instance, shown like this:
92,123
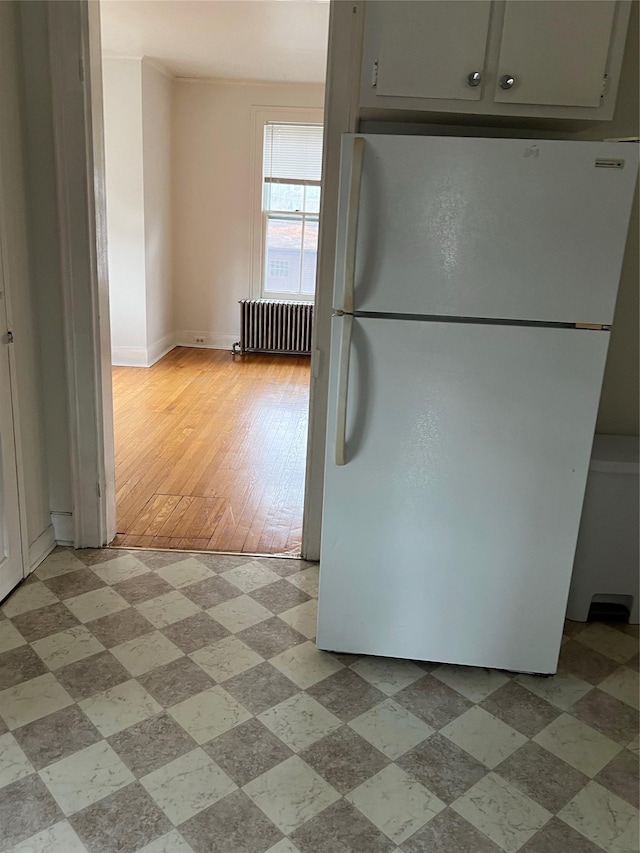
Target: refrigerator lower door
449,531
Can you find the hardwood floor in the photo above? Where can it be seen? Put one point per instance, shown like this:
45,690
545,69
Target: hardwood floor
210,452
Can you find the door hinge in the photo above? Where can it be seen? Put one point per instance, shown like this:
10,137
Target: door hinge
81,68
604,85
374,74
8,337
99,490
316,363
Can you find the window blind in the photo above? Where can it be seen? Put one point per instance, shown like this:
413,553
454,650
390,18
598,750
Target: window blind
292,153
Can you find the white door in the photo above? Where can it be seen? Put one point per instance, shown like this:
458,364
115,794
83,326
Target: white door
555,53
449,532
11,567
430,50
498,228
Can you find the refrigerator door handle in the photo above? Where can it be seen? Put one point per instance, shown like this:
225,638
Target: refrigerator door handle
343,386
353,209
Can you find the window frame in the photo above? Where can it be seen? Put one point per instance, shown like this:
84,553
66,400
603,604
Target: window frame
260,117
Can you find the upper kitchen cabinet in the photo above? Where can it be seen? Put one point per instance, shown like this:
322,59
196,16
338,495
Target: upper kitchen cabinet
554,52
546,59
441,45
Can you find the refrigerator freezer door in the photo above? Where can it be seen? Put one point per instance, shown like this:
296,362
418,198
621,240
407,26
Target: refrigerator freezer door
449,533
488,228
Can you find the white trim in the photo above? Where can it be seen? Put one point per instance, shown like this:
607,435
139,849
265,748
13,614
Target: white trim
112,54
105,426
259,117
129,357
83,257
160,348
225,81
64,527
185,338
109,54
143,356
157,65
341,116
41,548
11,274
275,296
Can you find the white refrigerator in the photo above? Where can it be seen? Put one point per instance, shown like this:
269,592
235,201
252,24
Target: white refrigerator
473,279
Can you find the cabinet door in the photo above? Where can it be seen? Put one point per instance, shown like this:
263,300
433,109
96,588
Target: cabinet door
428,50
556,52
10,539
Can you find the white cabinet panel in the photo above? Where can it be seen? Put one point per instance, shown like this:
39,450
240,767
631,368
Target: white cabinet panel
440,43
449,534
417,57
556,52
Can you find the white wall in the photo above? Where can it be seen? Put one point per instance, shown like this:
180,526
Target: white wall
179,204
137,122
156,164
212,199
122,92
619,412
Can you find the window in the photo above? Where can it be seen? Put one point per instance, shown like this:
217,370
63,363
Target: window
291,170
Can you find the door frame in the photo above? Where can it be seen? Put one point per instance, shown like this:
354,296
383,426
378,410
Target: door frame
74,50
8,204
16,532
20,512
75,57
346,24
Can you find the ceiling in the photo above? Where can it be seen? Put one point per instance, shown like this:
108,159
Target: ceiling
283,40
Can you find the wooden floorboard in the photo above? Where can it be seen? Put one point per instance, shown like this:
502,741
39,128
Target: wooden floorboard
210,452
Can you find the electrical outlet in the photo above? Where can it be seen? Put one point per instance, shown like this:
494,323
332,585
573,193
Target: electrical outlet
199,340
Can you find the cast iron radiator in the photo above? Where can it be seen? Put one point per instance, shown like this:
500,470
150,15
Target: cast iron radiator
274,326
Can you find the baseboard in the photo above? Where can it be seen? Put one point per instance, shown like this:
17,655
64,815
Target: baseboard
187,338
160,348
129,356
41,548
63,528
141,356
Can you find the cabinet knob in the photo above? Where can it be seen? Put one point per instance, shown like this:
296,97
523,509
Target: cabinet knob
474,79
507,81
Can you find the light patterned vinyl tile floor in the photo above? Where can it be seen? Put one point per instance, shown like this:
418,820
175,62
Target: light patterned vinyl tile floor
168,703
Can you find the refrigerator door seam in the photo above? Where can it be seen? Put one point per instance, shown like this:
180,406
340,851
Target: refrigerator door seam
473,321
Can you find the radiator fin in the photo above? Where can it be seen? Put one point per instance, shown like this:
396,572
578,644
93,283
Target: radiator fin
279,327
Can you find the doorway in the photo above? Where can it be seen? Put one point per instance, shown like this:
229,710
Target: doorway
202,212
